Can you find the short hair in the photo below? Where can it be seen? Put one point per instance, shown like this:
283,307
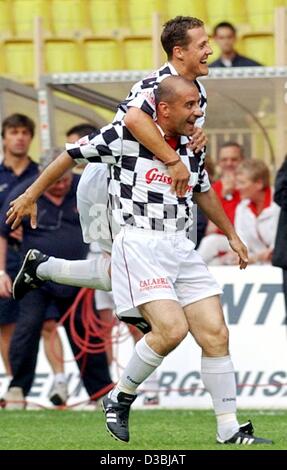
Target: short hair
167,89
18,120
175,32
231,143
257,170
224,24
82,129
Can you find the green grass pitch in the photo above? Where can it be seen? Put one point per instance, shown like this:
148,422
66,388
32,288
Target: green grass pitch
149,429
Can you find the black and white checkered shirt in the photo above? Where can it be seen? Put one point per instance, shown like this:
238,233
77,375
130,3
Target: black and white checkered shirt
140,186
142,94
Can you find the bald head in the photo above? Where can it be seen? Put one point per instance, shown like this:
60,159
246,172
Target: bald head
171,87
177,106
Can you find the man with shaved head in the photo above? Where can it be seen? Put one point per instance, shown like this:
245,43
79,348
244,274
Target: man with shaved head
154,265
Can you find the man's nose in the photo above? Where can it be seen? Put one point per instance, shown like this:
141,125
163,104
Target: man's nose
198,112
209,50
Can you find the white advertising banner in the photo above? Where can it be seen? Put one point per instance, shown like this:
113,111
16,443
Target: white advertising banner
253,305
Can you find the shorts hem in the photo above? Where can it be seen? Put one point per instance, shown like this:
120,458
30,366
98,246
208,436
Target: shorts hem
201,297
142,301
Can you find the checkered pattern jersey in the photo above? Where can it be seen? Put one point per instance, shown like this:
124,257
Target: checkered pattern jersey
140,185
142,94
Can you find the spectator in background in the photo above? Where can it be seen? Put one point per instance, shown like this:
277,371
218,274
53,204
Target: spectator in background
214,245
96,365
17,134
279,257
57,222
229,158
78,131
256,216
224,35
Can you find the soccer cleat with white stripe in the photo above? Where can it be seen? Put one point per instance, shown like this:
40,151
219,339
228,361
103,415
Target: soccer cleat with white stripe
245,436
27,278
117,415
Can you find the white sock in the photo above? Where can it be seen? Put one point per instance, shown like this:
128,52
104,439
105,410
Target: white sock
60,378
151,385
218,377
142,363
92,273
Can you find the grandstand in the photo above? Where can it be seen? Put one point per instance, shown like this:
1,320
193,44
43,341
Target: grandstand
68,61
104,35
76,36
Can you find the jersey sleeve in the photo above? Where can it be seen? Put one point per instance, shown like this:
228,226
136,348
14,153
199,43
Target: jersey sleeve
144,100
104,147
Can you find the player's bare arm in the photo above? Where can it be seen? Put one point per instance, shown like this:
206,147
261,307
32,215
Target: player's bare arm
25,204
211,206
145,131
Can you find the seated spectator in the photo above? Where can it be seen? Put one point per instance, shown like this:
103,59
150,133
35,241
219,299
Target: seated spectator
224,35
214,244
256,217
229,158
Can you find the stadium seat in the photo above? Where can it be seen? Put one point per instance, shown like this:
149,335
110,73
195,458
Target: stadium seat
138,54
19,60
69,17
2,59
108,20
260,48
5,20
140,15
222,10
261,13
24,12
102,55
63,56
195,8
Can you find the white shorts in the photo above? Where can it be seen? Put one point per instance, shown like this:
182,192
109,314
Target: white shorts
149,265
92,198
104,300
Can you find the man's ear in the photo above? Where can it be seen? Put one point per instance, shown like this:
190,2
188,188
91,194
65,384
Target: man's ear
163,109
177,53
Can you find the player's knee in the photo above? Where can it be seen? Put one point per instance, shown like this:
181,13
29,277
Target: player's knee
223,336
175,335
216,341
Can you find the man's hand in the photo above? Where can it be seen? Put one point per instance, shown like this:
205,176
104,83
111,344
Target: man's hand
5,286
198,140
238,247
19,208
180,178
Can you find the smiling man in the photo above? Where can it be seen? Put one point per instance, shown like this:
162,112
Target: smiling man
154,265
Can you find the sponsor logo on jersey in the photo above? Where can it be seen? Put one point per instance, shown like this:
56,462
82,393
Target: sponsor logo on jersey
155,175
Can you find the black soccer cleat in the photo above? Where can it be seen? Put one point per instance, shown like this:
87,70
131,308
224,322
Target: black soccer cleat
117,415
27,278
247,428
245,436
